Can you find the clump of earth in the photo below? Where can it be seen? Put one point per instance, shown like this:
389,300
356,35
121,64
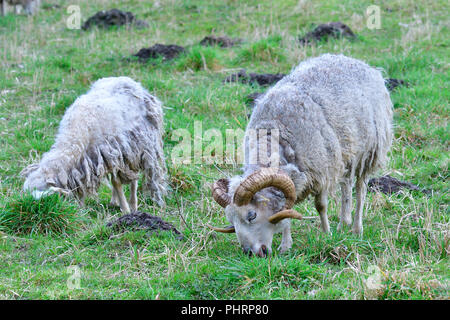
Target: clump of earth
326,31
224,42
113,17
263,79
167,52
143,221
392,83
390,185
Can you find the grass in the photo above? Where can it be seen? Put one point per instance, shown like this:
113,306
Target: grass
44,66
52,216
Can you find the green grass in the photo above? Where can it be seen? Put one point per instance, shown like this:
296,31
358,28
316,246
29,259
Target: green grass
44,66
50,216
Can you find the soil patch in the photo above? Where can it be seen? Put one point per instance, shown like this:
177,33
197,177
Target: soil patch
326,31
390,185
167,52
113,17
392,83
263,79
143,221
224,42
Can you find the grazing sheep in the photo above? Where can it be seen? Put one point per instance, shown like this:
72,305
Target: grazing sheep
29,6
115,129
331,120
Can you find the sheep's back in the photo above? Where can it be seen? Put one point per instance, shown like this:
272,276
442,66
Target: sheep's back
114,128
336,114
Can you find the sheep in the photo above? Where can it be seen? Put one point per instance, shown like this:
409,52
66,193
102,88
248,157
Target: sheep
29,6
114,130
331,120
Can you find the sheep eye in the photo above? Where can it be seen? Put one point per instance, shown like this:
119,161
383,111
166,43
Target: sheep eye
251,215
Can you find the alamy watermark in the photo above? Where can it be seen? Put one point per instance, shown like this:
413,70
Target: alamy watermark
374,281
373,16
74,280
74,20
255,146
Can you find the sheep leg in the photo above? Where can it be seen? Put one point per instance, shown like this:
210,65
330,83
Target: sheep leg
117,185
3,7
321,203
133,195
346,205
114,197
361,190
286,239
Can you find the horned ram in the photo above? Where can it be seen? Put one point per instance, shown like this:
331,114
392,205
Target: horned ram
332,120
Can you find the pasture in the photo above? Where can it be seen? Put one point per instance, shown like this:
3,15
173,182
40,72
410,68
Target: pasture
57,249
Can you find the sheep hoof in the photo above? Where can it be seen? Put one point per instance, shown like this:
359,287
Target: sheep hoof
283,249
357,231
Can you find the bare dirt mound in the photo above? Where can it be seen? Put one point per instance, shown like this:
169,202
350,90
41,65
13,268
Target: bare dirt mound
326,31
167,52
224,42
390,185
263,79
143,221
392,83
113,17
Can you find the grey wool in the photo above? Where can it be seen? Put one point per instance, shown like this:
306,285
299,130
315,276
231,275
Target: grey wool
113,130
334,115
331,120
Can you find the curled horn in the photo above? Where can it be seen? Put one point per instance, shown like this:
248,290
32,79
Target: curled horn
263,178
229,229
277,217
220,192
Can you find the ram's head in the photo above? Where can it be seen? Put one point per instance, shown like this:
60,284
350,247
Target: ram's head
256,207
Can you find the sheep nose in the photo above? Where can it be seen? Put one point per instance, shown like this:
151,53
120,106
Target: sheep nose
262,251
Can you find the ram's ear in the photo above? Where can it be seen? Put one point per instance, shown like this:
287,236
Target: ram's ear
26,171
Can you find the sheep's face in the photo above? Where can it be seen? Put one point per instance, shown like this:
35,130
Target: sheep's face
251,222
39,182
256,206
